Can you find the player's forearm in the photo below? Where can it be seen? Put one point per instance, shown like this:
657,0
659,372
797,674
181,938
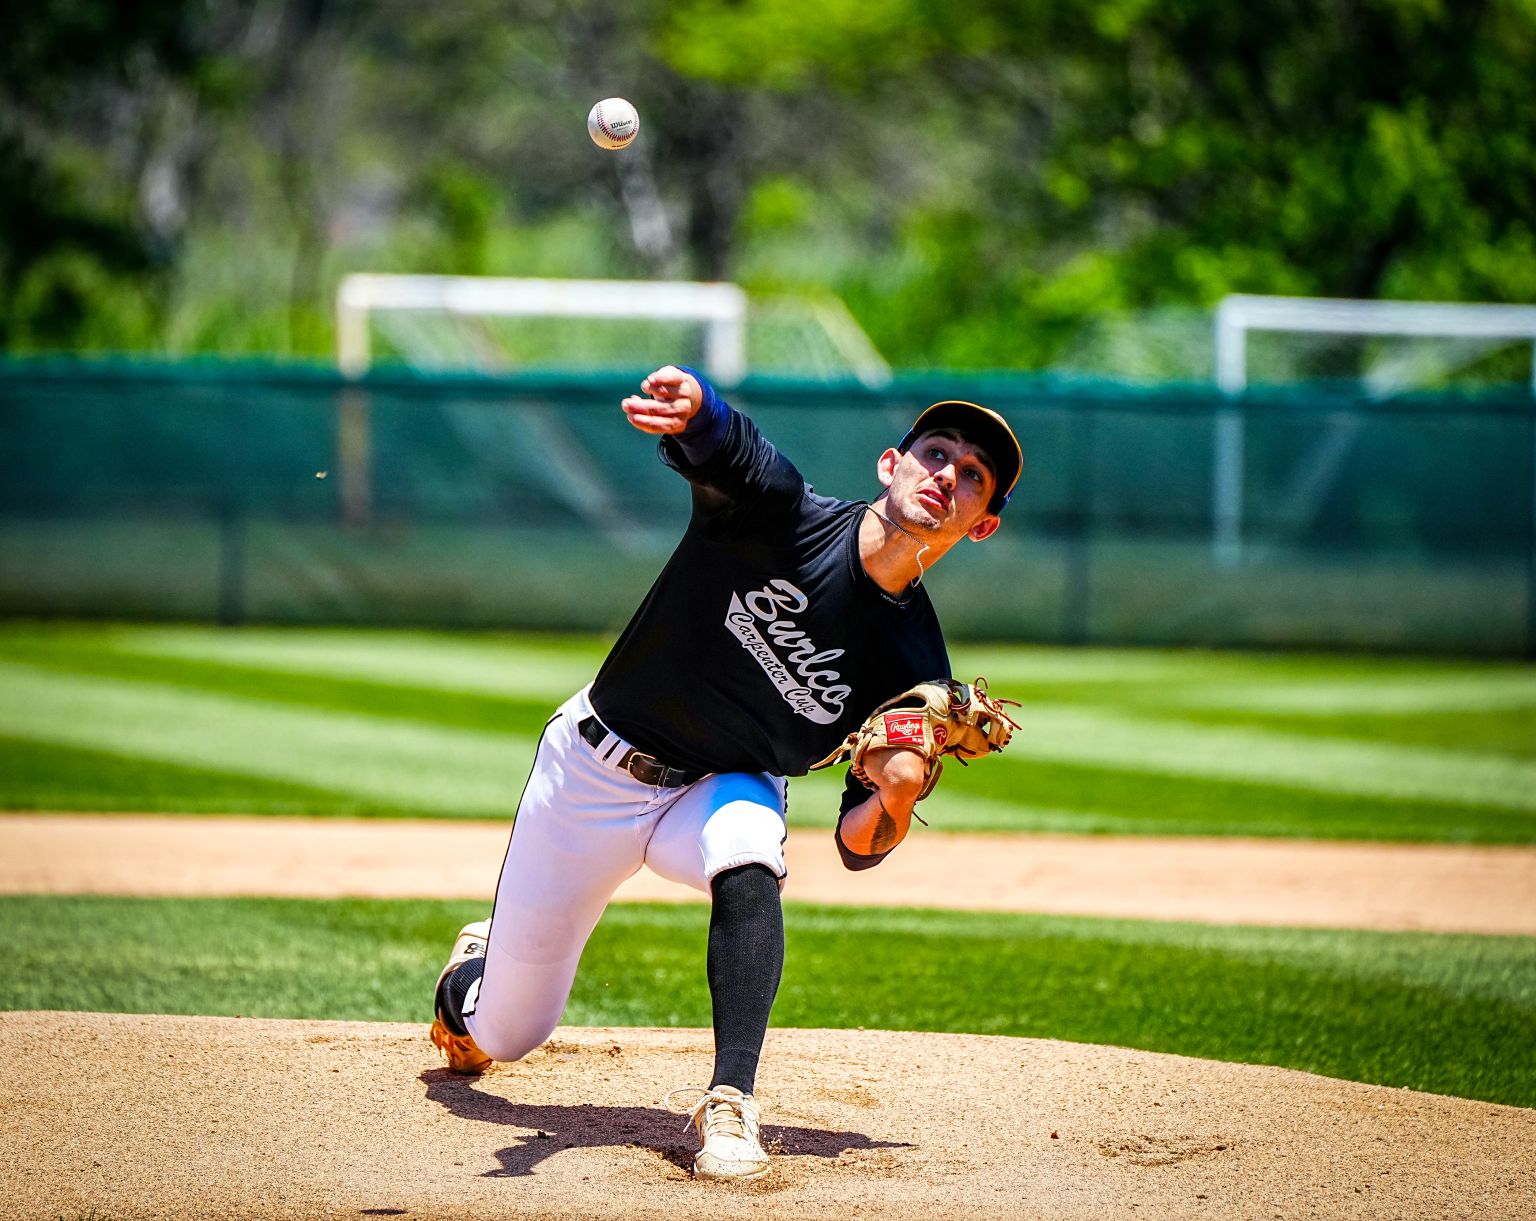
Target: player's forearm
875,826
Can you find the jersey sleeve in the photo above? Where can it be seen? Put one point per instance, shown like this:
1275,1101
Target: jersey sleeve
738,475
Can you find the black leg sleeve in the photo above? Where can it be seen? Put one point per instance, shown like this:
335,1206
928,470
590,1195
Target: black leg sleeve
746,959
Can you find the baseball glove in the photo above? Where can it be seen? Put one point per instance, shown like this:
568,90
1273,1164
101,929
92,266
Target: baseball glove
935,718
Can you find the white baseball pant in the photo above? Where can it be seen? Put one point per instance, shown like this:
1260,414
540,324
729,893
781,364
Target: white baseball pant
583,826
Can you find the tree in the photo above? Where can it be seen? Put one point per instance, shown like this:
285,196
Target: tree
976,179
1125,155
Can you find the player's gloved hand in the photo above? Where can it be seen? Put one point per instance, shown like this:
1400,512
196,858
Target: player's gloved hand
931,720
669,398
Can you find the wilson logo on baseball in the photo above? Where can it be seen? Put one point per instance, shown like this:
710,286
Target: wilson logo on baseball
904,728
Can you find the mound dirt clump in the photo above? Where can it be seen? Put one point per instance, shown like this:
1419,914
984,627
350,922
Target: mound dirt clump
127,1116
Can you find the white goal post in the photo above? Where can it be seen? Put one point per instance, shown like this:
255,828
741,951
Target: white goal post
1241,313
720,308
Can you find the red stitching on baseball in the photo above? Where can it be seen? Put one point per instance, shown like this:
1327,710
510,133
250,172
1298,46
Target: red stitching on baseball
605,127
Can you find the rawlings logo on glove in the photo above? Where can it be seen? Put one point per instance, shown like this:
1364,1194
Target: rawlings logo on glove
903,728
935,718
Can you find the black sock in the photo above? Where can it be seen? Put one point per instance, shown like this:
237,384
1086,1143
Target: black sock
746,959
452,991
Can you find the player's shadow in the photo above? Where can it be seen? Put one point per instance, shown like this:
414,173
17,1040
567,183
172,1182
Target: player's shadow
665,1133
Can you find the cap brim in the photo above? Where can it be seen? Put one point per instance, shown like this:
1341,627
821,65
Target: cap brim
985,429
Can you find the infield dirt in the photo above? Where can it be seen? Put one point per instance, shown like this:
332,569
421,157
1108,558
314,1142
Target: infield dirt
112,1115
131,1116
1430,887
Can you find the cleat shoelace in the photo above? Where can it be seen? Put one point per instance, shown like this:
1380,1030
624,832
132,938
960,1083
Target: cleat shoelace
724,1114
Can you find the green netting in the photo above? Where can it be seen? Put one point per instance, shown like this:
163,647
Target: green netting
258,494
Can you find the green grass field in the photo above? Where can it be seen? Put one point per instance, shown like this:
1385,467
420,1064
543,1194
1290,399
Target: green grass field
1449,1014
421,724
200,720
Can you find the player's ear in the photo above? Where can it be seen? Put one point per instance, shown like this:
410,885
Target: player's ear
886,467
985,527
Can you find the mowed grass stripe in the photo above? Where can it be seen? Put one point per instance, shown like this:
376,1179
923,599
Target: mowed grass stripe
532,666
1510,732
389,760
546,668
437,705
1448,704
1057,732
1145,743
1132,756
473,709
1381,695
1452,1014
1083,799
44,776
1069,733
1117,669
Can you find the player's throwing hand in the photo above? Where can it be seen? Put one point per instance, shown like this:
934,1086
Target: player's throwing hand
674,399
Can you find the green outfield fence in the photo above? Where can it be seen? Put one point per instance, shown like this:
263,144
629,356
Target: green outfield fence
289,495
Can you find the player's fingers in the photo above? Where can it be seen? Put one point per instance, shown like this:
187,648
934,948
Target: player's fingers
666,382
656,424
654,405
651,416
664,412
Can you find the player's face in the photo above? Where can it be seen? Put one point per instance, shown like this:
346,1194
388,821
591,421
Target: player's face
943,484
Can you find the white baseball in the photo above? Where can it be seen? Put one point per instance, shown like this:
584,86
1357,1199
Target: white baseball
613,123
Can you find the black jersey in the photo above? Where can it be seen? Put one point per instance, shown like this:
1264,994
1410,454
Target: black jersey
763,643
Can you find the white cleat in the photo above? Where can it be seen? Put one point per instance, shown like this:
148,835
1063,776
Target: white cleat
728,1123
463,1055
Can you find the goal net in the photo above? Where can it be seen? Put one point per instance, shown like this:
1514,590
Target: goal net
492,324
1385,346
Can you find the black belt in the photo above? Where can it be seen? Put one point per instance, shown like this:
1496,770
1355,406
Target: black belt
647,769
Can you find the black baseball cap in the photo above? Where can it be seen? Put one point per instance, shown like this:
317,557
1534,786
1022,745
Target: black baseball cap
983,428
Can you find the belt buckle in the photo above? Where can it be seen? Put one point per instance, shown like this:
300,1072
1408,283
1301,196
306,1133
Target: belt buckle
647,769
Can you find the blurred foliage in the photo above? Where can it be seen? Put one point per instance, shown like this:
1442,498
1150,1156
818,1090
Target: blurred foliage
978,180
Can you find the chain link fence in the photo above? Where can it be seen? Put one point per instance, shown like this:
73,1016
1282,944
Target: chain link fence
246,494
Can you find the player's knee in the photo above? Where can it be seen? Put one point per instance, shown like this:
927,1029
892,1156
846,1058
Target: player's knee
506,1045
746,827
508,1032
744,833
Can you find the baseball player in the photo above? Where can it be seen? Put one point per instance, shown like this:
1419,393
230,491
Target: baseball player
781,619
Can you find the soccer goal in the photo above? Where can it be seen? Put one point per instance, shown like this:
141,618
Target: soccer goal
1240,315
496,324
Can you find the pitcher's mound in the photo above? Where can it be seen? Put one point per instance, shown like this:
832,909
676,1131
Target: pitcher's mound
121,1115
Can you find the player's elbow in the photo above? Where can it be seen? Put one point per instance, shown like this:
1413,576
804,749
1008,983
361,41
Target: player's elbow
856,861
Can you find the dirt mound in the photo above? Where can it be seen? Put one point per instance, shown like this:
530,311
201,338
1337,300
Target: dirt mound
127,1116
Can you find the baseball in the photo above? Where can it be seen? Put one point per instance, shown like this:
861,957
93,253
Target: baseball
613,123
